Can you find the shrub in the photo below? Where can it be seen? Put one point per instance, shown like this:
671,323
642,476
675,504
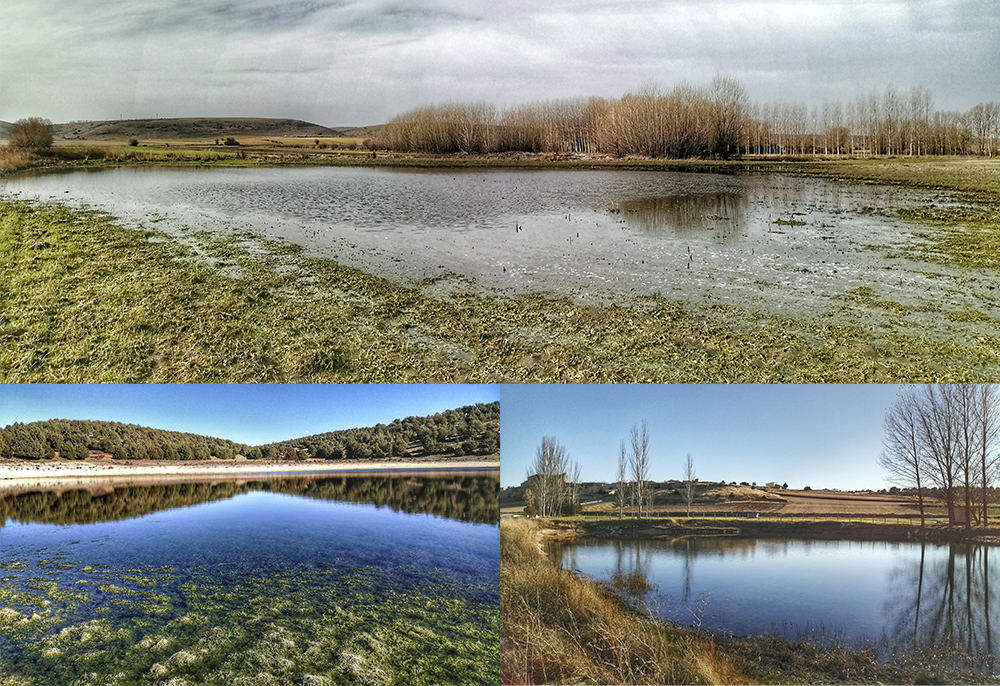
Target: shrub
33,134
133,142
230,141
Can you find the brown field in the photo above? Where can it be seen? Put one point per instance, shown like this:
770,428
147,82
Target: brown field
788,502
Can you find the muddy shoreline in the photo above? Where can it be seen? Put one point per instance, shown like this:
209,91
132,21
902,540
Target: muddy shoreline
20,476
761,528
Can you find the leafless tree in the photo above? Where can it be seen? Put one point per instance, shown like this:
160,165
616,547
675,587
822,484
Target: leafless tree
640,465
549,477
903,454
34,134
689,483
622,479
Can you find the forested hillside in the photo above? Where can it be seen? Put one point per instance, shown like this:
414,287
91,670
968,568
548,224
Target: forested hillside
472,430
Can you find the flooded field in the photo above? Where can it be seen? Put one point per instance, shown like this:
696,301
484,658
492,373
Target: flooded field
930,602
282,581
798,247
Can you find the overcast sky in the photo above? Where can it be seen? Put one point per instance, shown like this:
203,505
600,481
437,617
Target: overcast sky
346,62
822,436
252,414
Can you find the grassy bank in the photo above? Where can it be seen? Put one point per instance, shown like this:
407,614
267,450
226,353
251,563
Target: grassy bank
803,526
559,628
86,300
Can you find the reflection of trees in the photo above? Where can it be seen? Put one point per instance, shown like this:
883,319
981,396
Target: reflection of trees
945,603
467,497
680,213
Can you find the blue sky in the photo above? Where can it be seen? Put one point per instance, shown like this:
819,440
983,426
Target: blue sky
359,62
252,414
823,436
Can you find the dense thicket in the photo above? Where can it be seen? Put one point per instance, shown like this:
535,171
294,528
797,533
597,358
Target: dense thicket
714,121
472,430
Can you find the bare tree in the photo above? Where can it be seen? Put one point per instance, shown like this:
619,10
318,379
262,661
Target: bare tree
903,453
574,487
640,464
549,478
986,402
622,476
33,134
689,483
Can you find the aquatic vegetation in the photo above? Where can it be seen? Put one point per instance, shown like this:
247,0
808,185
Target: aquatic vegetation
327,607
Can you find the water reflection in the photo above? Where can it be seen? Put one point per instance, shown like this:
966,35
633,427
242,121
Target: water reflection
934,602
466,497
945,602
725,214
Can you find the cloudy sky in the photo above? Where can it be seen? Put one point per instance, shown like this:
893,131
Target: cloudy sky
251,413
822,436
346,62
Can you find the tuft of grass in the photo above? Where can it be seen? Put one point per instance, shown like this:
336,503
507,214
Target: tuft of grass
557,628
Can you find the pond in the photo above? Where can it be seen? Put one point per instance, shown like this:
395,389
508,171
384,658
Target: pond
767,243
935,600
382,579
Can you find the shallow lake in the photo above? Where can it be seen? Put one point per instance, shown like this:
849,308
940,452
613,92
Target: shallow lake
280,581
937,600
767,243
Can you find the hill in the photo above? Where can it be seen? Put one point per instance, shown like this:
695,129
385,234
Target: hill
193,127
4,125
473,430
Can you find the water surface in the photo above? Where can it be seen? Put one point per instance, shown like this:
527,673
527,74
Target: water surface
901,598
775,244
277,581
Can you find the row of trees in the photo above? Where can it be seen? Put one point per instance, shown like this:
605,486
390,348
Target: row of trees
718,120
468,430
945,438
554,479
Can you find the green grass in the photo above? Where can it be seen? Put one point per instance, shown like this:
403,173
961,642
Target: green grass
84,300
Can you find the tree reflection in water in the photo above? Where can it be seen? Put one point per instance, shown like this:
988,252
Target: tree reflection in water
935,604
467,497
946,605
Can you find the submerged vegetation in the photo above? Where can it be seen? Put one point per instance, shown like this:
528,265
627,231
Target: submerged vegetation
314,626
86,300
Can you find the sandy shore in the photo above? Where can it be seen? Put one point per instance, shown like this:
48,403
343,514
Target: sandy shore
21,473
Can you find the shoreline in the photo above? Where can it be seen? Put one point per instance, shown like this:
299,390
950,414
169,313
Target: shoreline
16,474
828,529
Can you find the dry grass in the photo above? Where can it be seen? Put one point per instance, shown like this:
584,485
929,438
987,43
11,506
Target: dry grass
558,628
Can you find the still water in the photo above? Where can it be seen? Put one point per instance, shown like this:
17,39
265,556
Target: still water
285,581
931,599
773,244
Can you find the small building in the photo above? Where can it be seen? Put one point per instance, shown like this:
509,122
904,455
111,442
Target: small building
773,484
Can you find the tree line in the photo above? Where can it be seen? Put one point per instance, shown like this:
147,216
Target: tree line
943,440
472,430
553,483
718,120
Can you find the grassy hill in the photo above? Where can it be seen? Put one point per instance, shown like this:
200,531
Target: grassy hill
193,127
